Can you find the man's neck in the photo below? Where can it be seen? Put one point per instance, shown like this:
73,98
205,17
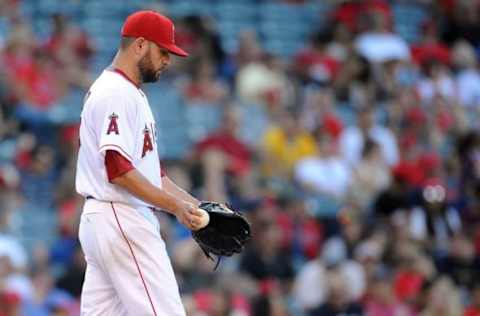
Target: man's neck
122,63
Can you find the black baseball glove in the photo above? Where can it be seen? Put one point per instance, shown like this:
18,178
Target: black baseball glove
226,232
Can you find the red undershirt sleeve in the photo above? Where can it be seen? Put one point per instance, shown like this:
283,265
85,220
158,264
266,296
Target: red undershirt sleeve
116,164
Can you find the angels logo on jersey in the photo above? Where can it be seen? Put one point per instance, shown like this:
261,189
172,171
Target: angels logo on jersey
147,141
113,126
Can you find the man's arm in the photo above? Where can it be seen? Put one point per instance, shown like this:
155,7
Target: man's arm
136,184
169,186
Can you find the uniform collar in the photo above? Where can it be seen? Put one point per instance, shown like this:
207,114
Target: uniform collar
124,75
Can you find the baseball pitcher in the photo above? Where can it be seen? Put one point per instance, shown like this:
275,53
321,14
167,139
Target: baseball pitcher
119,174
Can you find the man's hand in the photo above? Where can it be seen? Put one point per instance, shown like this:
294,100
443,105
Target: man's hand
190,216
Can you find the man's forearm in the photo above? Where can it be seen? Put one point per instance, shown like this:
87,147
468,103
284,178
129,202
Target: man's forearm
136,184
170,187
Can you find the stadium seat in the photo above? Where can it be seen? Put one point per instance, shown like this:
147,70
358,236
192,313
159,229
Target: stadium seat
184,8
8,149
254,121
235,11
408,20
169,112
202,119
36,224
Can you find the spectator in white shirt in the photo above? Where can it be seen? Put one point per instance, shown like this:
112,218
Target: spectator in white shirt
437,82
325,173
378,44
310,288
468,77
352,140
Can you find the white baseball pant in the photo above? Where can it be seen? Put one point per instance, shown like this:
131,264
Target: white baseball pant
128,268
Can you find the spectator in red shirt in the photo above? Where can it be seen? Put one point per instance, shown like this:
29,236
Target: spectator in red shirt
43,82
71,49
313,62
35,82
10,304
414,269
350,13
203,87
301,234
222,153
430,47
17,58
67,42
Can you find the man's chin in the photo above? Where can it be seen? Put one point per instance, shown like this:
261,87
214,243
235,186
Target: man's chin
156,77
151,79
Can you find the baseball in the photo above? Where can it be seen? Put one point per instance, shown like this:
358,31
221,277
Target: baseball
205,218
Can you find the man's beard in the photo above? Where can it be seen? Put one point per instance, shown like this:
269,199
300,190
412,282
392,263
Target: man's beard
147,71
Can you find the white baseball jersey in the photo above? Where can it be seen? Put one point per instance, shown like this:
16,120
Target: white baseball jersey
116,116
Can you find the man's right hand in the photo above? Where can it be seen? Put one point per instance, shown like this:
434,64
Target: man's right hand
189,215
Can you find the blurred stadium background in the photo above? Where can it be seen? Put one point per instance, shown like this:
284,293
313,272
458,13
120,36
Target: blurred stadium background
348,131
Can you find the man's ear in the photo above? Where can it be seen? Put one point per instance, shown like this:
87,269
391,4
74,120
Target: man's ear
141,46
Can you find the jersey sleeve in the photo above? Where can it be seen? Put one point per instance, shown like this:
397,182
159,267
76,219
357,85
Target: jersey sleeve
118,127
116,165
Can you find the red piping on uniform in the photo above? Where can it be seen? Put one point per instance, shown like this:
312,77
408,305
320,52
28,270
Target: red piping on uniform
124,75
134,259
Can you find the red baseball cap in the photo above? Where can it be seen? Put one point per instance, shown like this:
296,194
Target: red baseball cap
154,27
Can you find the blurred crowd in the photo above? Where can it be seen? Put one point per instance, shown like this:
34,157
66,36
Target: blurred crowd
356,159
